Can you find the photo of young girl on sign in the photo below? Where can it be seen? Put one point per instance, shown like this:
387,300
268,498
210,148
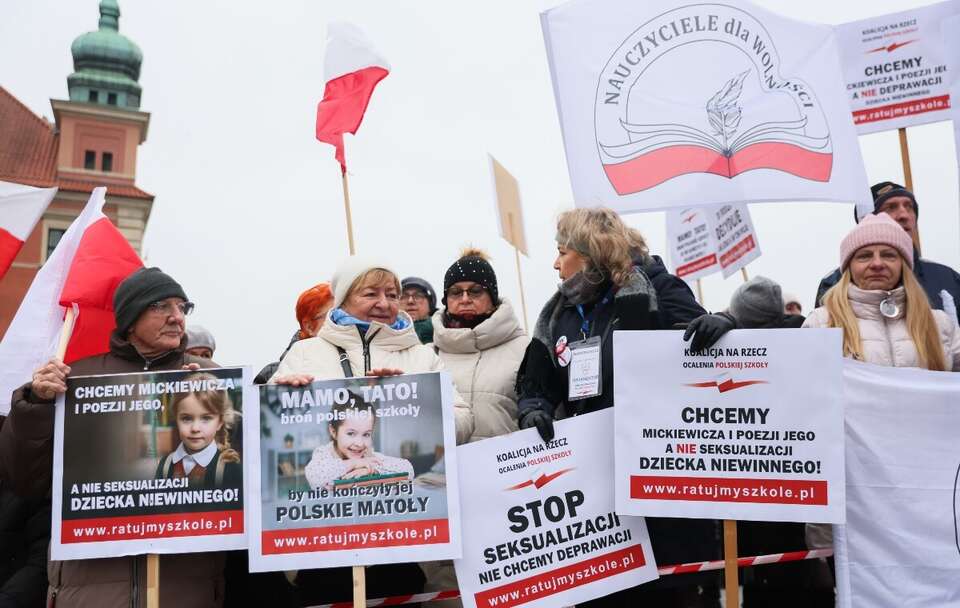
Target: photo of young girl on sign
204,420
349,458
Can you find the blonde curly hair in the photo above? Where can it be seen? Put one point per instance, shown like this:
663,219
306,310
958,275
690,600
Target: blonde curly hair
599,235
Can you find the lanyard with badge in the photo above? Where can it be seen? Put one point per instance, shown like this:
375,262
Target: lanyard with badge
585,380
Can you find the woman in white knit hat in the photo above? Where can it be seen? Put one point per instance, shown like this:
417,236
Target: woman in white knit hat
884,312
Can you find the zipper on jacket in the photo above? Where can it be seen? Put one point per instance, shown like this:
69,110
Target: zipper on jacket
365,341
55,588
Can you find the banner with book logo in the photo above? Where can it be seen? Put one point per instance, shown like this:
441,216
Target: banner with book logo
895,67
543,531
736,431
665,104
357,471
900,545
704,240
148,463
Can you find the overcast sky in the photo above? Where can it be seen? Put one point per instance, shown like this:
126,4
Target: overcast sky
249,207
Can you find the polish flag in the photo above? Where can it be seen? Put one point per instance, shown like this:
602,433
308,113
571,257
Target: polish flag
20,209
352,68
82,273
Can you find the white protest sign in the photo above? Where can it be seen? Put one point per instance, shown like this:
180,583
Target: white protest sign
704,240
693,244
355,471
541,528
751,429
665,106
900,545
144,463
895,68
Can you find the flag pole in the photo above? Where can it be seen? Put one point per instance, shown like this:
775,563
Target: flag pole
730,572
65,332
346,208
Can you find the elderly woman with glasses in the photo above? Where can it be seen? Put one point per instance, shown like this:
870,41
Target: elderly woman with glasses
149,310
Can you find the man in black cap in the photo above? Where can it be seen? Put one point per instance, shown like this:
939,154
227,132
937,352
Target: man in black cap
941,282
419,300
149,310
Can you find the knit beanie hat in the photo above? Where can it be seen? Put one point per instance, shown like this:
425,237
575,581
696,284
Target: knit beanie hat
877,229
350,270
424,286
200,337
139,290
472,266
757,303
885,190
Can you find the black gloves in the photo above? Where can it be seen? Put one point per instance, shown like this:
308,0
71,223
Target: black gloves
707,330
540,419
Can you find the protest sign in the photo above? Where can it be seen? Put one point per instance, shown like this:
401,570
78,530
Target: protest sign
543,531
950,34
665,106
751,428
509,207
704,240
895,68
356,471
148,463
900,545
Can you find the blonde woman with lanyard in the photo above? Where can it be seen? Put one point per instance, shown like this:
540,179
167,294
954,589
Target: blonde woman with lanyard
603,291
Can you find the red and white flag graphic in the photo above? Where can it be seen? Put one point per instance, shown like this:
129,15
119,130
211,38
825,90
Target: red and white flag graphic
352,69
83,272
20,209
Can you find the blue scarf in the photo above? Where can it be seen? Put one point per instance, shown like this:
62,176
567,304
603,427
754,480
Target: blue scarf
340,317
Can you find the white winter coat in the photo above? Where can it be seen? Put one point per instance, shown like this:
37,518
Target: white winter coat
484,362
390,348
887,341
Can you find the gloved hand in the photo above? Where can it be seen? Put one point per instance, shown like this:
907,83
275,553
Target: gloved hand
540,419
706,330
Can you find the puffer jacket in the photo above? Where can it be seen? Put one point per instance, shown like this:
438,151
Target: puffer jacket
483,362
26,463
381,347
887,341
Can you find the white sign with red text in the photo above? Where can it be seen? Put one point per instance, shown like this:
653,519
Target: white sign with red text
896,69
749,429
541,528
704,240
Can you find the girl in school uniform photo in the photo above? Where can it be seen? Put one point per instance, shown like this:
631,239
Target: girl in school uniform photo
204,457
350,457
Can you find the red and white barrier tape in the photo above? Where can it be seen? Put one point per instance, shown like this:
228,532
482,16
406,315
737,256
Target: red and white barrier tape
743,562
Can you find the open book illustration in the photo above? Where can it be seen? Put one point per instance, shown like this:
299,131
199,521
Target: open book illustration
659,152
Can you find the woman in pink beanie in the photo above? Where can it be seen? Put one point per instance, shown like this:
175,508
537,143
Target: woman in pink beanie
882,309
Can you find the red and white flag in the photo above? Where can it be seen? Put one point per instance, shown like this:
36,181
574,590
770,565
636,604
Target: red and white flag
83,272
352,68
20,209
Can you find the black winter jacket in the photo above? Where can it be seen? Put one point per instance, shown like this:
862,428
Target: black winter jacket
675,301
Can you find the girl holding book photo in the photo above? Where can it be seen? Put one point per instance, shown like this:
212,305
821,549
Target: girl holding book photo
349,457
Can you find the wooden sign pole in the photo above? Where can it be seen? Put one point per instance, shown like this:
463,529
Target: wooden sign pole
908,176
516,253
153,580
730,574
743,273
700,291
359,587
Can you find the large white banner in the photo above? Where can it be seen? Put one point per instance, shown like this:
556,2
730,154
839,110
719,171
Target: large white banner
751,428
541,527
900,546
950,32
895,68
664,105
706,240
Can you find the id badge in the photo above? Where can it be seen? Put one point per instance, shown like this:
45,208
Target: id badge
584,369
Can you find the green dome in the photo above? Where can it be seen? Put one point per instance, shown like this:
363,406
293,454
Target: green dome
106,64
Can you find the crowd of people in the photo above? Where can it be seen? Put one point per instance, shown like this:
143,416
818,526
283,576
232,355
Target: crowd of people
894,307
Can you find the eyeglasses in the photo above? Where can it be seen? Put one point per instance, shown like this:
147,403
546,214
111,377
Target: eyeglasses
473,293
166,308
416,296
